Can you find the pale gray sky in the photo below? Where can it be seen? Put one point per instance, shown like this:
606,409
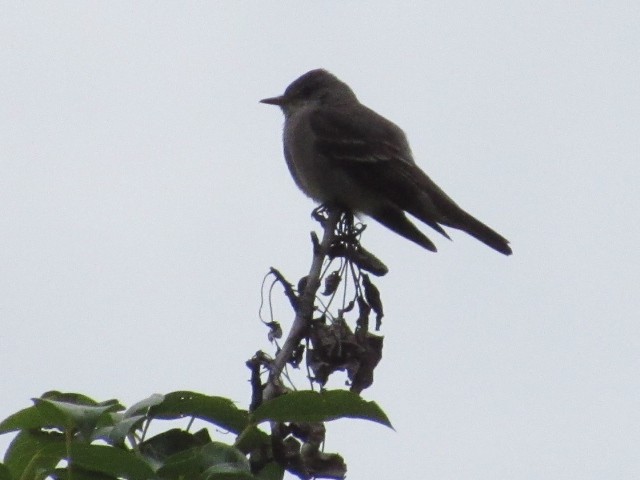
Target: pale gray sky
144,195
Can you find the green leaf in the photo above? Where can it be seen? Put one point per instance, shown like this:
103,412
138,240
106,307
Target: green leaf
110,461
226,472
73,416
142,407
117,433
69,397
308,406
217,410
215,455
5,474
159,448
25,419
252,438
79,474
271,471
33,455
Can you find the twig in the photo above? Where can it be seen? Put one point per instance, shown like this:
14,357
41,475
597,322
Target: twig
304,312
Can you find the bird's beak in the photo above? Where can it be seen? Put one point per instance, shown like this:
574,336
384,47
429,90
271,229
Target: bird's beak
279,101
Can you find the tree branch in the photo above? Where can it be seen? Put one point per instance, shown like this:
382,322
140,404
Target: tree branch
304,312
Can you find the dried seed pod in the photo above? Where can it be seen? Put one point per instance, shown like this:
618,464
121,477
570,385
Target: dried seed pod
362,258
372,294
296,356
331,283
275,330
363,315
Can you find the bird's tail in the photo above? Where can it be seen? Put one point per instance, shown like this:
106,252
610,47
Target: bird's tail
394,219
479,230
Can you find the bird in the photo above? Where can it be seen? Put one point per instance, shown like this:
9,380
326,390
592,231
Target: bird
340,152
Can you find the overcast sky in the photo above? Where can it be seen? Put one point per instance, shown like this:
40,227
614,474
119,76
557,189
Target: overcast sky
143,195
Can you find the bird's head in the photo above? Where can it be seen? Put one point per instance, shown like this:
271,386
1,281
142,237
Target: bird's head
317,87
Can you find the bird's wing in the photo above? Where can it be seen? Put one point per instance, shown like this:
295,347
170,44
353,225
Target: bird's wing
343,134
376,154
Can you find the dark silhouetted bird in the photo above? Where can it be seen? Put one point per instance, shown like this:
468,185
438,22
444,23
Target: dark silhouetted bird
343,153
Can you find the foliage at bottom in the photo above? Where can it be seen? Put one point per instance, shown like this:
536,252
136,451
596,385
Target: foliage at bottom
71,436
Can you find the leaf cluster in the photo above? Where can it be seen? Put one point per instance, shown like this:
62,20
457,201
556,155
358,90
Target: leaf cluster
71,436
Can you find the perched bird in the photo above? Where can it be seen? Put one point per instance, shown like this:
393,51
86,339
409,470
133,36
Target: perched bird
342,153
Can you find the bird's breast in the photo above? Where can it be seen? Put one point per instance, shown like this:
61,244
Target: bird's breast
319,177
